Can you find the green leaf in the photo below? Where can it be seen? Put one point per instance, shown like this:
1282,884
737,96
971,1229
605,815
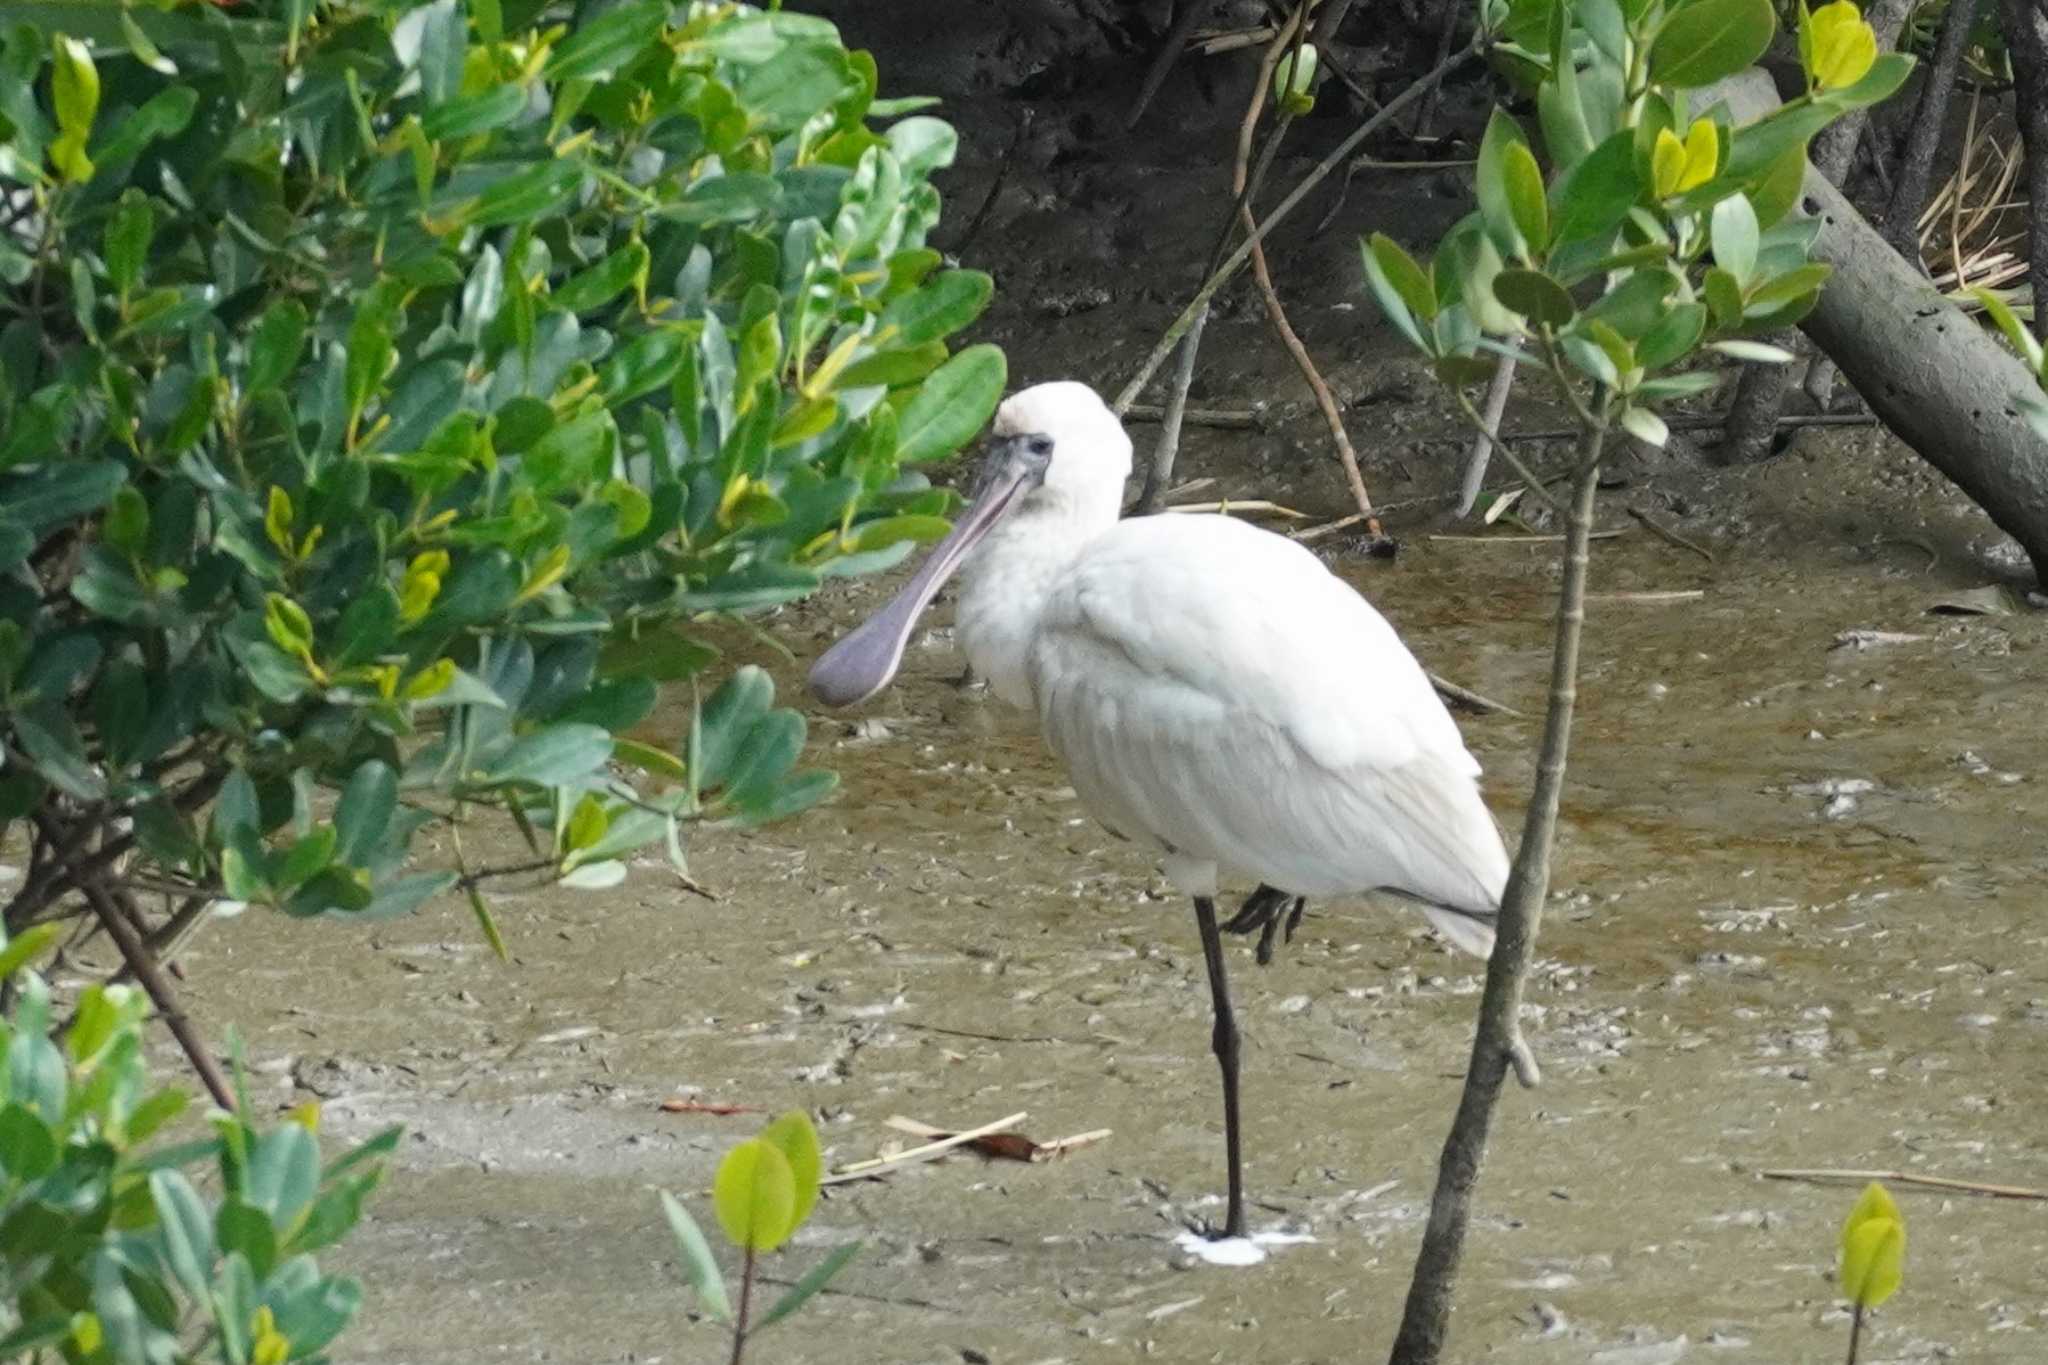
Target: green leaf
923,145
1645,426
51,739
1709,40
241,1227
1535,296
283,1173
1673,337
698,1263
1724,296
1734,235
1390,298
126,242
25,946
1756,352
184,1229
1408,279
1879,84
952,405
536,193
552,756
755,1196
1591,359
816,1279
734,197
406,895
2008,322
1873,1248
75,91
363,815
1496,206
663,655
793,1135
487,923
471,115
601,46
275,346
604,281
1597,194
945,304
1524,184
28,1149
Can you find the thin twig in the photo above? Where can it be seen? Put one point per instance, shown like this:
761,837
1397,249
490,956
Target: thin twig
1190,17
1497,392
144,965
1229,505
1822,1175
874,1166
1223,419
1235,262
995,185
1498,1044
1531,538
1467,698
1262,274
1671,536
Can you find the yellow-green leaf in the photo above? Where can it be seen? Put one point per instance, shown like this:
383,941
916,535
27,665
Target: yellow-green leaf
1525,196
545,576
25,945
793,1135
277,520
755,1195
587,823
1873,1248
74,86
431,681
1841,47
1873,1262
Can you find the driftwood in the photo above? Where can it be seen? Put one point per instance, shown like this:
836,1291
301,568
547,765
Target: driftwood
1938,380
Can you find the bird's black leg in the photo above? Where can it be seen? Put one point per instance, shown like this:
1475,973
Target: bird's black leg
1224,1040
1265,910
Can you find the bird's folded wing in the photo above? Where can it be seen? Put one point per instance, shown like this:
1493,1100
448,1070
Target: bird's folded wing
1216,688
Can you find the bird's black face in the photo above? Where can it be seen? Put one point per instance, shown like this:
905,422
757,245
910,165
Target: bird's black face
862,664
1018,461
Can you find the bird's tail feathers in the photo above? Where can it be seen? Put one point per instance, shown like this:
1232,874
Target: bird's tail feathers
1467,929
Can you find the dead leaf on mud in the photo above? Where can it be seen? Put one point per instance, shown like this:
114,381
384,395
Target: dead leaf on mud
1989,600
1003,1146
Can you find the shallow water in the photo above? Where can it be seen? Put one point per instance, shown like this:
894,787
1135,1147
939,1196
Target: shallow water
1796,923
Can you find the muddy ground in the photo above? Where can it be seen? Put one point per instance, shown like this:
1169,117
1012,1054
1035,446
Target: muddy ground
1797,924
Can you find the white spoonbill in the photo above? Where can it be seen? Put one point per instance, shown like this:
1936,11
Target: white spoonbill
1214,691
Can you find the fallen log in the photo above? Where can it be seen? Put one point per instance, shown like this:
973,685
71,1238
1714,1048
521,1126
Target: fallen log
1942,384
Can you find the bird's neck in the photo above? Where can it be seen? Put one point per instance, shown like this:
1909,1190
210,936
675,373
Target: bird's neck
1005,585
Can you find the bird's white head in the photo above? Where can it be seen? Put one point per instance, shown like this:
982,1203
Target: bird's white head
1054,449
1068,445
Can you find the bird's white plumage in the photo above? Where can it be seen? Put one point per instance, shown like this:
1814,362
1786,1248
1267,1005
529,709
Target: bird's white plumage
1217,693
1212,687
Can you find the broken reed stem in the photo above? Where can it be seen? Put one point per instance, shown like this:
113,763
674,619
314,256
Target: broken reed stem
1235,262
1831,1176
1482,443
1263,275
1498,1043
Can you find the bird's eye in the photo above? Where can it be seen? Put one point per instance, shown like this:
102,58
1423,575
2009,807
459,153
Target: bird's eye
1039,445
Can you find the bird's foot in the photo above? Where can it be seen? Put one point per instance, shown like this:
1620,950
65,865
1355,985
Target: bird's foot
1272,912
1212,1232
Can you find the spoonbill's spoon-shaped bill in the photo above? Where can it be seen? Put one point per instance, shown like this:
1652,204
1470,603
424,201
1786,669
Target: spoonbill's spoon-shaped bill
864,662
